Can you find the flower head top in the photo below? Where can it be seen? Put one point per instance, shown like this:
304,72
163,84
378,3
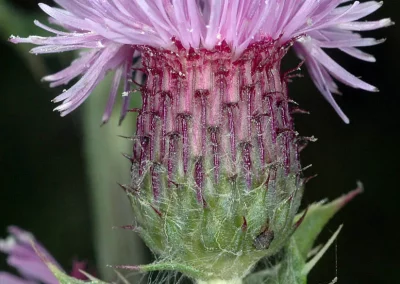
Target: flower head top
111,29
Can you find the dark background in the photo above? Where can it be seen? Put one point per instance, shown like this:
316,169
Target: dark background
44,187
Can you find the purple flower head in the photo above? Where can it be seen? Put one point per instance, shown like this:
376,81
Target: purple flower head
111,30
216,179
28,257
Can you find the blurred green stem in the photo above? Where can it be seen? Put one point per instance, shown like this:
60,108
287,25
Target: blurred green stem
106,167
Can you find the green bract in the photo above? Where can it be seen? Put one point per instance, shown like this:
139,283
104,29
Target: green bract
226,237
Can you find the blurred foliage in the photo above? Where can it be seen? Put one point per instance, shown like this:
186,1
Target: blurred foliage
106,166
44,184
17,21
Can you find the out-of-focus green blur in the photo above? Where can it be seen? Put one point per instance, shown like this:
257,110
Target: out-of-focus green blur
52,169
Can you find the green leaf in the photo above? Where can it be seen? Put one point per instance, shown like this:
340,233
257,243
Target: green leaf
317,217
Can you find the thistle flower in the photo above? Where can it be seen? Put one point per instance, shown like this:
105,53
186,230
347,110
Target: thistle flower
111,30
216,177
20,247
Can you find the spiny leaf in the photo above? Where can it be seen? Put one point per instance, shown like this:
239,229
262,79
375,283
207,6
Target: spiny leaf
317,217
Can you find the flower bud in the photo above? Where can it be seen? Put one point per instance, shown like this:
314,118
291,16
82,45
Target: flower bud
216,179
